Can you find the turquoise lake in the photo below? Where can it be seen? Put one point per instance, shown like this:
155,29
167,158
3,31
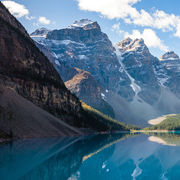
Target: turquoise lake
101,157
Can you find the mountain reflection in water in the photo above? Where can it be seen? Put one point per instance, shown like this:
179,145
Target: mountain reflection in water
117,156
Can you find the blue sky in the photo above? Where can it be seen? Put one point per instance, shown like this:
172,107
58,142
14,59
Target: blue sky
157,21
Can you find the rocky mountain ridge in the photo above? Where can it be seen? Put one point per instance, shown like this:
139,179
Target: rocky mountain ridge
130,77
88,90
169,56
30,84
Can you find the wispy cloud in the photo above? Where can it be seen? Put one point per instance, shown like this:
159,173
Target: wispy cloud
18,10
124,9
116,28
44,20
150,38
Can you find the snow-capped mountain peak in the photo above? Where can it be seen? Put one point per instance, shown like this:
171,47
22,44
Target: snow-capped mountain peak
170,55
84,23
130,45
41,32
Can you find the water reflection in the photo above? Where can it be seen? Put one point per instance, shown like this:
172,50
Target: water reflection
169,139
118,156
50,158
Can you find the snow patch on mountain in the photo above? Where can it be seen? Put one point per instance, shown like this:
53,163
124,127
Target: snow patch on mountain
169,56
81,23
57,62
136,88
40,33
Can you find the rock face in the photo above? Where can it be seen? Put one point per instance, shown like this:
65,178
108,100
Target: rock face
42,32
30,73
20,118
31,78
149,76
85,46
170,63
26,70
88,90
139,64
169,56
134,82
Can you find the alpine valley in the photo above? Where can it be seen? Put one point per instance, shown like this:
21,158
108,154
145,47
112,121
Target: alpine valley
34,101
87,99
124,81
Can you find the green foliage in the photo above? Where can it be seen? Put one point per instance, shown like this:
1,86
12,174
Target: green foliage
106,121
171,123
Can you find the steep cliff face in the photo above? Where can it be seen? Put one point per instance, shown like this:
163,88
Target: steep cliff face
20,118
85,46
88,90
132,80
24,68
139,64
149,81
34,82
170,63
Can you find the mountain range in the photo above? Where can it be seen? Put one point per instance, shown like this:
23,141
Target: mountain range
132,84
34,101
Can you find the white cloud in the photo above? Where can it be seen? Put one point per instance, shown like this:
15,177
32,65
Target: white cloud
165,21
124,9
30,17
110,8
150,38
18,10
44,20
177,34
117,29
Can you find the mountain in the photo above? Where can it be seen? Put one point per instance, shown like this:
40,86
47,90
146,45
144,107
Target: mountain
132,81
42,32
20,118
30,86
83,45
169,56
88,90
148,76
171,63
138,64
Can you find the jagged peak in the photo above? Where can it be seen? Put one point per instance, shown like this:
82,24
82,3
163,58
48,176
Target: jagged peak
129,44
170,55
41,32
84,23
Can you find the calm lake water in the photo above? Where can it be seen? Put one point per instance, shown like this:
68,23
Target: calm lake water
102,157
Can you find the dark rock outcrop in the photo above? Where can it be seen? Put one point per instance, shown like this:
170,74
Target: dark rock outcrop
20,118
169,56
25,70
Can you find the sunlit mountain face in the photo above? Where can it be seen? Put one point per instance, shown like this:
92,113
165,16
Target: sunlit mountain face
126,76
89,90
